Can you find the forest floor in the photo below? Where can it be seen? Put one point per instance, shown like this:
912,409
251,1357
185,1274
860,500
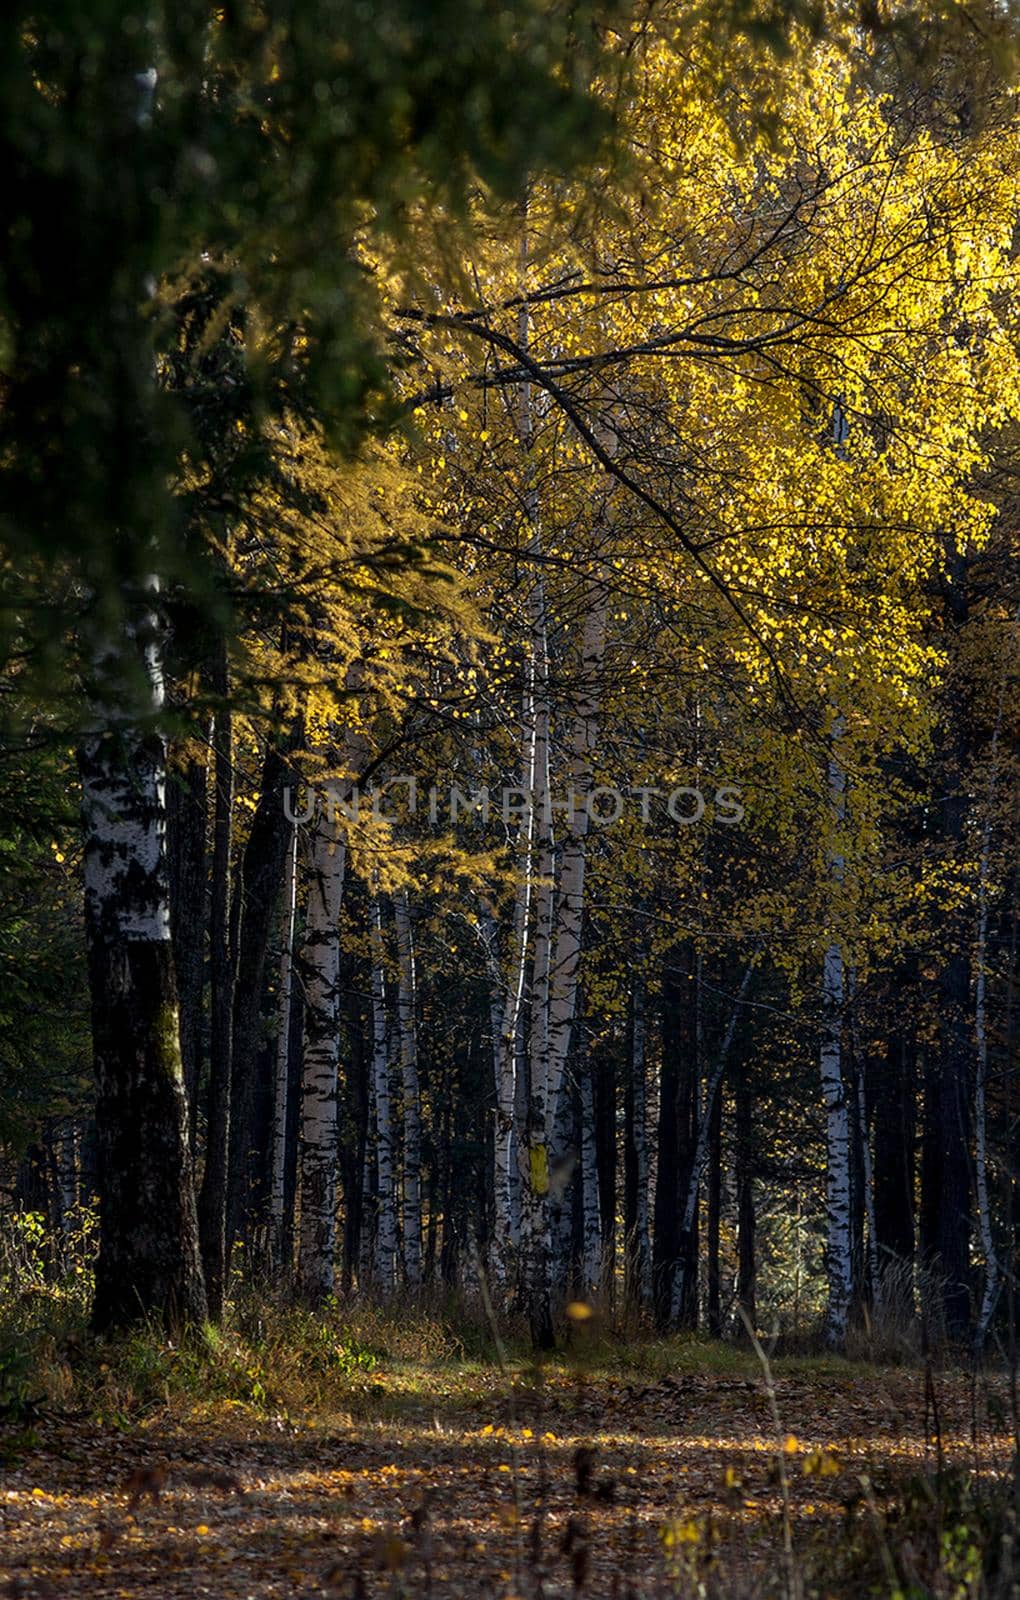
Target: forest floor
633,1474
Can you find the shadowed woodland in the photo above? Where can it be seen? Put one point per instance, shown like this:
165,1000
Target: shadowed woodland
510,622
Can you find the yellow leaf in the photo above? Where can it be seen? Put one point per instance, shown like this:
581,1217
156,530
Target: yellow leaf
539,1160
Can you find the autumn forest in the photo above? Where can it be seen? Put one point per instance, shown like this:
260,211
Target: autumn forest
509,784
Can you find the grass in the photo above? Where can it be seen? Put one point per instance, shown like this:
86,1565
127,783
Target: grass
356,1418
414,1401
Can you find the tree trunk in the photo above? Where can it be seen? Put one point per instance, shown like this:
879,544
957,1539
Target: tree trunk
591,1248
148,1262
894,1077
320,966
604,1065
407,1029
384,1266
744,1150
212,1209
675,1241
992,1269
638,1260
281,1085
838,1249
687,1263
952,1233
262,869
952,1130
354,1133
507,1013
187,802
713,1300
541,1112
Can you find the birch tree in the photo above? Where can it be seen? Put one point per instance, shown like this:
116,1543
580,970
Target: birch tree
320,966
148,1261
508,991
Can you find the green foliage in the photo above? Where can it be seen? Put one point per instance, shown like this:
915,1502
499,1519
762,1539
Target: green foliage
19,1401
297,157
44,1049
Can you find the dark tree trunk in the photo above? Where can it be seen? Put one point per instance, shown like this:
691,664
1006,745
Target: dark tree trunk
746,1217
893,1087
212,1210
148,1256
567,1218
353,1124
637,1264
186,828
30,1192
950,1255
953,1219
714,1185
861,1293
604,1063
931,1157
148,1263
89,1158
295,1061
261,877
676,1140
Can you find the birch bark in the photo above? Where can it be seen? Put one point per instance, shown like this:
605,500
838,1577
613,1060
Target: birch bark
570,899
320,963
541,1114
508,1004
148,1261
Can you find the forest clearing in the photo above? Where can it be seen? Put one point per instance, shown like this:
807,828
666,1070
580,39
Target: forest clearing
634,1470
509,798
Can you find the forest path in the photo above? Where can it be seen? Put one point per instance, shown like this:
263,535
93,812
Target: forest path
452,1482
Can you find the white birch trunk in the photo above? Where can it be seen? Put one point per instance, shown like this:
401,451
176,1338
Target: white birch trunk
67,1167
321,966
838,1256
282,1064
148,1258
539,1119
384,1273
570,903
508,996
406,1027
